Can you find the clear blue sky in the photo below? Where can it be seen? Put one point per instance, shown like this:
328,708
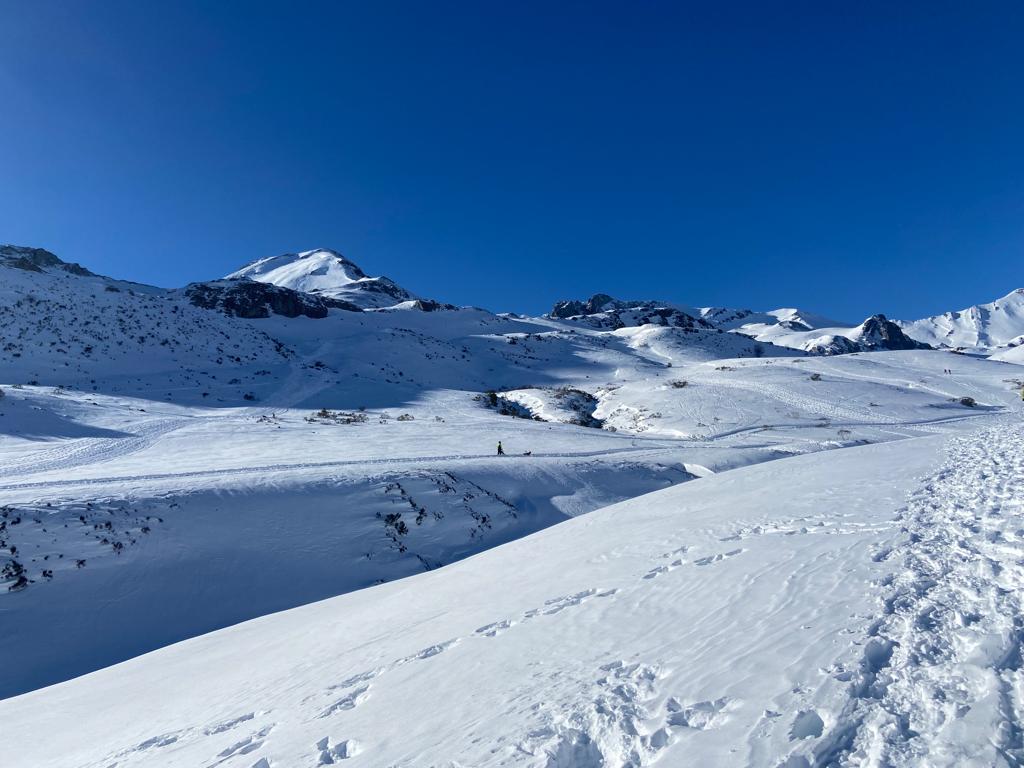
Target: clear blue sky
844,157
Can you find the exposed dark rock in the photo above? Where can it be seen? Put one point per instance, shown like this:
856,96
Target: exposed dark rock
573,308
252,300
429,305
37,260
874,334
877,332
602,311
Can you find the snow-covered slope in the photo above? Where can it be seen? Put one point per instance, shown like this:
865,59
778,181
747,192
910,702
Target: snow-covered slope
982,327
63,326
325,272
1014,353
799,613
175,462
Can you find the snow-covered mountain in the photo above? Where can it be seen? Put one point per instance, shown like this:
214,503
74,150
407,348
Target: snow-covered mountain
326,273
985,328
982,327
766,326
604,312
790,328
875,333
177,462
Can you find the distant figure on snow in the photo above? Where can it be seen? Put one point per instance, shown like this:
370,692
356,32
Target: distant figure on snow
501,451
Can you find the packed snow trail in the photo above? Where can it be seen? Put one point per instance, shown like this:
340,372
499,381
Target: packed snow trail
332,464
941,681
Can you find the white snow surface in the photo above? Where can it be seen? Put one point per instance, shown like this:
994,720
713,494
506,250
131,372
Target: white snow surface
289,542
868,615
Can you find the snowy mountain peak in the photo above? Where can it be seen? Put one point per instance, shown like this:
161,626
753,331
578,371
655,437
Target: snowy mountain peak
984,326
328,273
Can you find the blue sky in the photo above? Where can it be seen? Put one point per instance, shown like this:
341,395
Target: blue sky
847,158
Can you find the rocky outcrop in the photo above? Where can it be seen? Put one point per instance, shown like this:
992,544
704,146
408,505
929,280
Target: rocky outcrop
38,260
252,300
878,332
602,311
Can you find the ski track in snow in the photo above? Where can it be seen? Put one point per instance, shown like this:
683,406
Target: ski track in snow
77,453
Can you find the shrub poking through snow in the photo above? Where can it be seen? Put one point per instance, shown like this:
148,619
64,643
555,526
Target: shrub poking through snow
325,416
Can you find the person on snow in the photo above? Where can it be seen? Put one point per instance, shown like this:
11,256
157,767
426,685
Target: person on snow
501,451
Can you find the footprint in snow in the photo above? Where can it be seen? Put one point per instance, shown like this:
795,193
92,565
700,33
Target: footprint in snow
348,701
700,716
559,604
158,741
717,558
329,755
675,552
655,572
495,629
227,725
807,725
250,743
426,653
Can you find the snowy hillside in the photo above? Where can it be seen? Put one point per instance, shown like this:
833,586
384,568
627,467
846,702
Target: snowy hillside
798,613
66,327
175,465
326,273
984,326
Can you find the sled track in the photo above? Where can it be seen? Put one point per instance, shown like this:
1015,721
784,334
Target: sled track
941,680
